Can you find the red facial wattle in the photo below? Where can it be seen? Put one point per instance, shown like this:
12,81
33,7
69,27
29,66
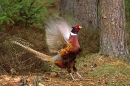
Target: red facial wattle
76,28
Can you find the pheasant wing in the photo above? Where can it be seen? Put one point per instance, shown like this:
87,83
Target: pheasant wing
57,34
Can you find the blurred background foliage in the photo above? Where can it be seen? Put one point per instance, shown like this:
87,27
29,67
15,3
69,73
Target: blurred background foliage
27,12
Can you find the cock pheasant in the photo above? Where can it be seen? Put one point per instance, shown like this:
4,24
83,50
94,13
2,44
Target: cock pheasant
61,39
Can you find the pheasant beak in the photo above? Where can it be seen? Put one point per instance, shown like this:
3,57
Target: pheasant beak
80,27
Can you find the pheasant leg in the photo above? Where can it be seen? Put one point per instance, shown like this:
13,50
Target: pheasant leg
79,76
72,77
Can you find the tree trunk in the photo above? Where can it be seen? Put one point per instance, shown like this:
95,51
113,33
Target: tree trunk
66,7
113,37
84,12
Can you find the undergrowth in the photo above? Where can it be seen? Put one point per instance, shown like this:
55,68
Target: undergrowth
128,35
15,57
89,41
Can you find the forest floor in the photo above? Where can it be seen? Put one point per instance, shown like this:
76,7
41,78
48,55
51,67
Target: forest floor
96,69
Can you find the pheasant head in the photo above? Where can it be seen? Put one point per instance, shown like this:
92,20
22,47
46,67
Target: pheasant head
75,30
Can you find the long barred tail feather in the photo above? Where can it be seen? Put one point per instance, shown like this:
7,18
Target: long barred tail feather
42,56
57,33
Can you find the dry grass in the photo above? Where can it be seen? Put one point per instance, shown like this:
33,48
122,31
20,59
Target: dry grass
12,56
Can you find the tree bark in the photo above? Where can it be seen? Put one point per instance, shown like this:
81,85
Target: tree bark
84,12
66,7
113,36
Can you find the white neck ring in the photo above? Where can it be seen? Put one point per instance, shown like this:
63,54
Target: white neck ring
72,34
